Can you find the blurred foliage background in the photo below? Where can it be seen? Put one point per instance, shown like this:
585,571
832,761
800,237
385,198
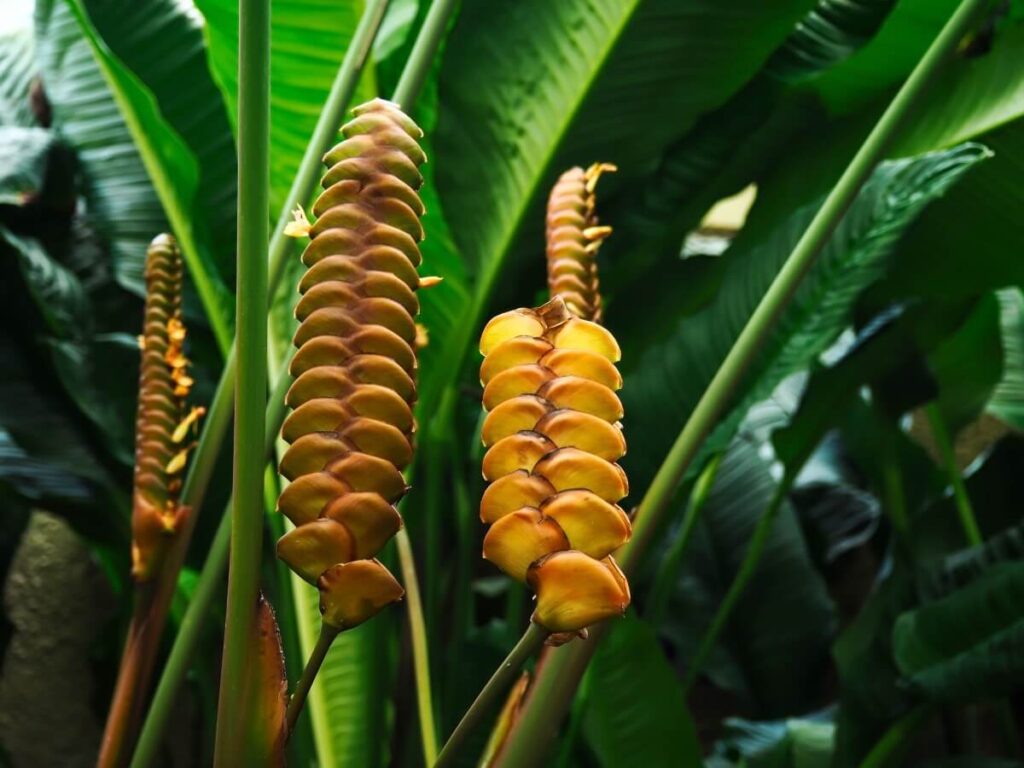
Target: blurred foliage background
886,410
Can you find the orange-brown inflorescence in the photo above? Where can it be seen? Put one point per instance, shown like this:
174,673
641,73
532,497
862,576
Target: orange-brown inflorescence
553,438
350,430
162,424
573,239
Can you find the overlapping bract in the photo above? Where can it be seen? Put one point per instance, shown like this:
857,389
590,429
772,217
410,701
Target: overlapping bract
573,239
553,438
161,425
350,431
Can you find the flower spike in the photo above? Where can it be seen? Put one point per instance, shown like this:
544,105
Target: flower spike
351,425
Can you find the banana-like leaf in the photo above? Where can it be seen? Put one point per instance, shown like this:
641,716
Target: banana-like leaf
161,42
307,43
785,612
529,88
1007,401
628,673
677,363
128,151
969,644
17,68
728,146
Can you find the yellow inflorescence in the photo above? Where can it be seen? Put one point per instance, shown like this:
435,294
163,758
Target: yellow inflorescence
162,424
573,239
350,430
553,439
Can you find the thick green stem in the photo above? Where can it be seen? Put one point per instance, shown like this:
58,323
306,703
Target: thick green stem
963,502
488,698
251,381
421,58
666,578
316,660
739,583
551,694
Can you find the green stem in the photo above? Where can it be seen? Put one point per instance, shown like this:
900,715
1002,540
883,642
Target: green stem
892,747
963,502
251,382
316,660
421,57
420,650
547,703
490,695
673,560
207,586
748,567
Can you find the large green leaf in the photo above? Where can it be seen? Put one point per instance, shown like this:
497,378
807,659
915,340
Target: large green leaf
17,68
128,152
728,146
636,713
676,366
530,88
969,644
308,42
784,613
161,42
1008,399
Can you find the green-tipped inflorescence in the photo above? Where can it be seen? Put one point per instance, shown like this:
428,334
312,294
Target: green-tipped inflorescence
573,239
162,425
553,438
350,430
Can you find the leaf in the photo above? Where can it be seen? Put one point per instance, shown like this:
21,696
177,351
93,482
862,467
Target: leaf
107,113
261,732
1007,402
730,145
969,644
24,153
17,68
628,675
530,88
796,743
674,369
37,481
784,613
308,41
162,43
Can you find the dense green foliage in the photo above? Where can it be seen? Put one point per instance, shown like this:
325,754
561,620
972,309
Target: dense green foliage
870,609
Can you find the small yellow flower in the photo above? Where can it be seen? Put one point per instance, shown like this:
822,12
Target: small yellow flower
575,591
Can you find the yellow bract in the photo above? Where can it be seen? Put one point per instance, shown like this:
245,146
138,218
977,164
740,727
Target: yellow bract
553,437
575,591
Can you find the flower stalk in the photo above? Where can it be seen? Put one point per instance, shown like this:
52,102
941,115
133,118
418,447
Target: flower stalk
251,382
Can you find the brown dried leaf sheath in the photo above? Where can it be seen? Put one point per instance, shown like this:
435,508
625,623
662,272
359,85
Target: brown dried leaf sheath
350,430
553,438
161,427
573,238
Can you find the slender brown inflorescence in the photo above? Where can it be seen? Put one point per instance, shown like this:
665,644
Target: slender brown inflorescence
553,437
162,426
573,239
350,431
